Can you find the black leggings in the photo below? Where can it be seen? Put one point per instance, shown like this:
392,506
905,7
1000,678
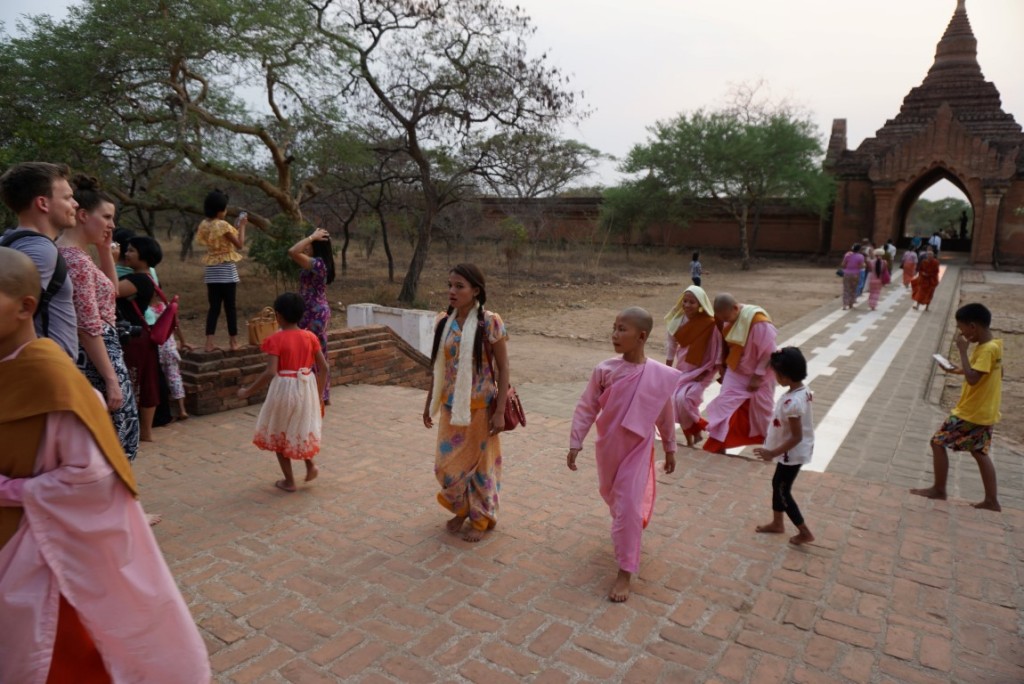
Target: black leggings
218,293
782,500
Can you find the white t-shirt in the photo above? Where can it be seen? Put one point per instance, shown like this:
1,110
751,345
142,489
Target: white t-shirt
792,404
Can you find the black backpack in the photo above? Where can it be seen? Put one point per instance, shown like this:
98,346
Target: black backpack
60,274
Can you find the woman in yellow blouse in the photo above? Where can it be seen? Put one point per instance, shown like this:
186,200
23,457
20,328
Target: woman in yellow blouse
222,242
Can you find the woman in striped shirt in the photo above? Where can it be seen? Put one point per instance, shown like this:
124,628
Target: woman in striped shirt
222,240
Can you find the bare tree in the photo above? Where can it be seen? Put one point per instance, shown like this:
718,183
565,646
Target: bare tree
439,75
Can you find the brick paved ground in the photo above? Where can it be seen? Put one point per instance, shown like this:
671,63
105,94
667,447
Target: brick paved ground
353,578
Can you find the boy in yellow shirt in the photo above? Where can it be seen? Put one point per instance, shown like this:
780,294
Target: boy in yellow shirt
969,428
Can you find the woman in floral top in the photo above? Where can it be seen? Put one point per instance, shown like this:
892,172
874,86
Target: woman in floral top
470,349
100,356
222,242
315,257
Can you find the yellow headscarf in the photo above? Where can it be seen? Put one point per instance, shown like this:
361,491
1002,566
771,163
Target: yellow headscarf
675,317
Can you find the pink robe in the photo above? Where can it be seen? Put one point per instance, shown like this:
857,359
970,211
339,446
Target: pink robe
85,537
754,361
692,384
627,400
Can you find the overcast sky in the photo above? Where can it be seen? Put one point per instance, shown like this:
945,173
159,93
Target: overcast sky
645,60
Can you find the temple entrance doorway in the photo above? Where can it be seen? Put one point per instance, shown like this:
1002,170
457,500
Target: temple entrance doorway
937,204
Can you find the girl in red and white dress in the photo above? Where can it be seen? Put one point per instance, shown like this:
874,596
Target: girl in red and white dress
290,421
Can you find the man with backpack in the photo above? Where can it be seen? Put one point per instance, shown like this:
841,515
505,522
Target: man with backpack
41,196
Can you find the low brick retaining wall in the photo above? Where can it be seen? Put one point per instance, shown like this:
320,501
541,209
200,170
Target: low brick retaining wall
372,355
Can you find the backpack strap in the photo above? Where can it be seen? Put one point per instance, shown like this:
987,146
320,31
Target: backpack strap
60,274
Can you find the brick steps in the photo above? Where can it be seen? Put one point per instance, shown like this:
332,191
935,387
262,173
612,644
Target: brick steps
372,355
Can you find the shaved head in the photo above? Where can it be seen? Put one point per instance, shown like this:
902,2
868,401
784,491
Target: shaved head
18,275
725,301
640,318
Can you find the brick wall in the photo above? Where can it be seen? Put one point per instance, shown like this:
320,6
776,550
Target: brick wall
372,355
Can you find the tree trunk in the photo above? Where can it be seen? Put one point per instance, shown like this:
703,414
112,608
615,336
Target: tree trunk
387,245
344,245
757,228
419,259
744,242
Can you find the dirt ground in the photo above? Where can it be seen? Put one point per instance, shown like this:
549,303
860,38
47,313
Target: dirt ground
558,314
559,305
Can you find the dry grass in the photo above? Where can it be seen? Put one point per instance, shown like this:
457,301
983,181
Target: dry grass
549,280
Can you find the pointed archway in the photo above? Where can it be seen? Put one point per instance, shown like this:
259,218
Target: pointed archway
951,126
955,232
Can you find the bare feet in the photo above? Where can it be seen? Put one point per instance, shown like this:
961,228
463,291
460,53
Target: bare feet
698,438
770,528
455,524
620,589
802,538
311,473
930,493
285,485
473,534
988,505
153,519
689,441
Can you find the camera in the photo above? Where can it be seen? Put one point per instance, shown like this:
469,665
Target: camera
126,331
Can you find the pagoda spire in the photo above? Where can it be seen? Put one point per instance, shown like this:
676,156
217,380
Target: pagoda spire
956,56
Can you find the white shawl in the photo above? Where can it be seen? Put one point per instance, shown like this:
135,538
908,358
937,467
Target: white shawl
463,381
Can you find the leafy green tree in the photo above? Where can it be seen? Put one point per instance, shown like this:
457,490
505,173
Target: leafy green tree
237,90
737,158
937,216
527,165
436,77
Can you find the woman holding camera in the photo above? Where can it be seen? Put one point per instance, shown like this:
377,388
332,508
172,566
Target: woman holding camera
222,242
100,357
134,294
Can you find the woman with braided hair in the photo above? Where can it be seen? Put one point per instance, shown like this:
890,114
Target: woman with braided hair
471,380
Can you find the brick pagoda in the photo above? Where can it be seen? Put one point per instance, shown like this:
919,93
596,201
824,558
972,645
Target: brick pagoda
951,127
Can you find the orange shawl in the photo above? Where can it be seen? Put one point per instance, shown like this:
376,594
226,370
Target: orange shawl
42,379
693,335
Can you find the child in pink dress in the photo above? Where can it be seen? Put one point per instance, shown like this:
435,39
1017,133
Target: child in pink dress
878,276
627,397
290,419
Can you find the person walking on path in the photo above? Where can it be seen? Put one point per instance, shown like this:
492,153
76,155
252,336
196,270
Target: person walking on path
695,348
909,266
315,257
626,397
85,593
970,425
867,248
789,442
878,276
470,386
100,357
696,269
290,419
852,267
740,414
923,286
222,242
